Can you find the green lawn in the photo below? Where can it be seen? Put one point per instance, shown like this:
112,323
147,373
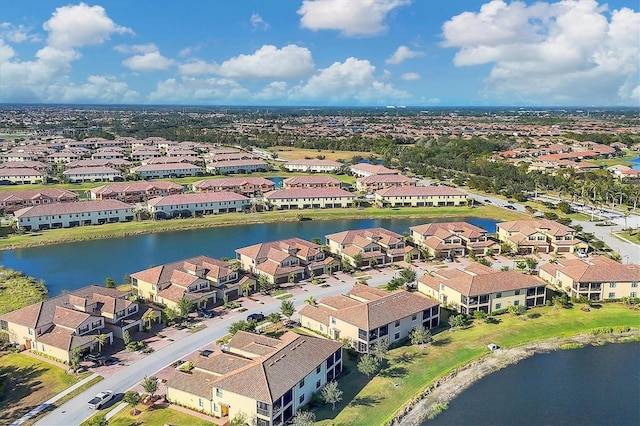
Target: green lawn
18,290
412,369
26,382
114,230
157,417
624,160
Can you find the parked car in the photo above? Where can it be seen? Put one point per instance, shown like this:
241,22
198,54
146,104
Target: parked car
100,399
581,254
509,207
204,312
256,317
488,201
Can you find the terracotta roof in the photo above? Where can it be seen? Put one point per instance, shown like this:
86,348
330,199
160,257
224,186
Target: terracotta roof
373,179
528,227
425,191
200,197
28,194
136,187
477,281
595,269
371,234
308,193
444,229
291,246
20,172
233,182
313,162
71,208
373,169
164,273
315,180
92,171
165,167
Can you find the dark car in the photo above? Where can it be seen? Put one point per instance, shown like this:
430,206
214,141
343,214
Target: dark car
509,207
488,201
203,312
256,317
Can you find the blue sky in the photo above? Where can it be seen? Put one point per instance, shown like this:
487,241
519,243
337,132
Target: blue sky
321,52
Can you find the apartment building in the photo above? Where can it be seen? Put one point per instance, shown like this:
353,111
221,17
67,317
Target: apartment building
69,215
248,186
135,192
21,175
542,235
312,165
170,170
366,314
309,198
365,169
311,182
92,174
449,239
377,182
370,247
11,201
197,204
237,167
420,196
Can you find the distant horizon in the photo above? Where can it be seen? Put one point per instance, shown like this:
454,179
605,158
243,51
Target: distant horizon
326,53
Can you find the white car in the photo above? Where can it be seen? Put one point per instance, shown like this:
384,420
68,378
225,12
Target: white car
582,254
100,399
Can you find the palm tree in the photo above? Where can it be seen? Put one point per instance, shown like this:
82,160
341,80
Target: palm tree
184,306
246,288
409,276
101,339
311,301
148,317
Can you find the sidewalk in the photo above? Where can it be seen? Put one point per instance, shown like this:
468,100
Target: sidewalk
42,407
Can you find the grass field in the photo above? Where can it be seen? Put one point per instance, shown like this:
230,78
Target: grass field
156,417
18,290
624,160
114,230
27,382
411,370
300,154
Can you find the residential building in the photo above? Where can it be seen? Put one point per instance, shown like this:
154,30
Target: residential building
92,174
420,196
449,239
69,215
197,204
376,182
312,165
21,176
116,163
248,186
263,378
283,260
311,182
237,166
365,169
135,192
215,157
479,287
11,201
367,314
370,247
596,278
168,170
35,165
203,280
56,326
542,235
144,154
309,198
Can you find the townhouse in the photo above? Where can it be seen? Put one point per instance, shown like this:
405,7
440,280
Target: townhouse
312,165
35,165
173,160
168,170
115,163
69,215
203,280
596,278
11,201
92,174
197,204
263,378
420,196
226,167
376,182
56,326
479,287
135,192
309,198
216,157
365,169
370,247
542,235
366,314
21,175
144,154
449,239
249,186
311,182
285,260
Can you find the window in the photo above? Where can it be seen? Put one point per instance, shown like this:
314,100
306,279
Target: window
516,302
396,336
634,284
498,295
318,369
397,324
612,295
317,384
333,320
612,285
414,317
517,292
633,295
301,400
31,331
200,402
301,383
218,393
498,305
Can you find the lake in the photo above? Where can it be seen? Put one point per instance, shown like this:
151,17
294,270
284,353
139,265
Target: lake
590,386
74,265
635,163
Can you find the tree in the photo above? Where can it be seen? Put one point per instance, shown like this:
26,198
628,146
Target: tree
409,276
242,325
150,385
246,288
109,283
317,240
521,265
380,348
148,317
184,306
303,418
287,308
394,284
126,337
101,339
264,284
100,420
74,362
170,314
369,365
357,260
517,310
419,336
457,321
311,301
133,399
532,264
331,394
274,317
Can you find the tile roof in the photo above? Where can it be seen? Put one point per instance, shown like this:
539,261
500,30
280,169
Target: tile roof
20,172
373,169
313,162
27,194
315,180
370,234
71,208
92,171
463,229
136,186
308,193
425,191
165,167
528,227
164,273
200,197
233,182
595,269
291,246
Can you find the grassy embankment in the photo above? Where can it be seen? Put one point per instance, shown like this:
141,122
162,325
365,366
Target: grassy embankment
411,370
26,382
115,230
18,290
155,417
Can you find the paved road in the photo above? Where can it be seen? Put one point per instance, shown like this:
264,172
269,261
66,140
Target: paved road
76,410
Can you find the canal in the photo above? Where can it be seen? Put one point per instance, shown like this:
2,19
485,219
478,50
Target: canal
74,265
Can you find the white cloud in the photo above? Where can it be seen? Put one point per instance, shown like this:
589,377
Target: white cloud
136,48
17,33
403,53
189,50
147,62
257,23
209,91
100,89
553,53
197,67
350,17
410,76
269,62
81,25
347,81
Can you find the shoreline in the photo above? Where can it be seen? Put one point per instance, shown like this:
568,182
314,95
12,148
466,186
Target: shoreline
448,387
204,223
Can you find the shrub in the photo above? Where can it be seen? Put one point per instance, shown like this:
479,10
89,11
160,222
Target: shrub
499,312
